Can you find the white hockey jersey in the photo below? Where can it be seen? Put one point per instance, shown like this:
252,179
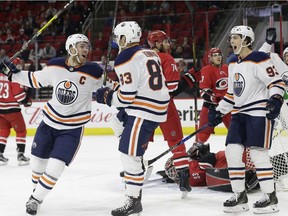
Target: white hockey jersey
251,82
142,90
70,106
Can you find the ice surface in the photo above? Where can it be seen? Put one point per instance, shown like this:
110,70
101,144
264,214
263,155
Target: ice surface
92,186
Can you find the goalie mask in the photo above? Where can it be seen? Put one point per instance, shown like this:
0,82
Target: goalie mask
131,30
170,170
72,40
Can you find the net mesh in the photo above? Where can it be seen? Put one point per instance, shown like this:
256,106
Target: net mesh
278,152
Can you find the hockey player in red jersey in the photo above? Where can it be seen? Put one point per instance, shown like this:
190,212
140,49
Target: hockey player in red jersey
171,128
213,87
12,95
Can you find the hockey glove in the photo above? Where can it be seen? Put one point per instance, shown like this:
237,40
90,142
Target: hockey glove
103,95
214,116
7,67
271,35
274,105
198,150
192,76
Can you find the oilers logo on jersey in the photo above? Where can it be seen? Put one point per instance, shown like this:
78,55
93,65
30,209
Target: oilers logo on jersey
239,84
66,92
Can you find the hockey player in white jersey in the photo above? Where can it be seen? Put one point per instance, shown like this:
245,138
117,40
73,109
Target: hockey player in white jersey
58,137
255,96
142,94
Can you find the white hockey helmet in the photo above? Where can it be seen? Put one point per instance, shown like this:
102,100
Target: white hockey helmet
130,29
245,31
73,39
285,51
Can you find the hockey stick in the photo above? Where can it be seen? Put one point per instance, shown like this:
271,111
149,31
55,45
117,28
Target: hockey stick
41,30
110,45
151,161
195,95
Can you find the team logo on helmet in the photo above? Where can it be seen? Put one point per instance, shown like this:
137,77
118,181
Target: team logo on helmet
239,84
66,92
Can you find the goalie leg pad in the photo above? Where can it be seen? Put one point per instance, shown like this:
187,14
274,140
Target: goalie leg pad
133,174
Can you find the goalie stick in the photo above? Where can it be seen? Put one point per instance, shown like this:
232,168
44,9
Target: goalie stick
41,30
110,46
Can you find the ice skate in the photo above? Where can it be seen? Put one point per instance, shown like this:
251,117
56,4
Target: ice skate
184,184
32,206
267,204
132,206
22,160
3,160
237,203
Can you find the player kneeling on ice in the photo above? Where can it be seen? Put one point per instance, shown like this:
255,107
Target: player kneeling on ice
255,96
143,95
58,137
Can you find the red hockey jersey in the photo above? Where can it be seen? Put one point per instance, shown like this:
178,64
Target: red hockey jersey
170,70
11,94
215,78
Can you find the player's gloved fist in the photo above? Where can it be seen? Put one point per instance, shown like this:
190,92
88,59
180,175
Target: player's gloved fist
8,67
214,116
271,35
192,76
274,105
103,95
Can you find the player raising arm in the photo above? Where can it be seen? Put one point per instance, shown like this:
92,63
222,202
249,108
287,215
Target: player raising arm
144,96
255,96
58,137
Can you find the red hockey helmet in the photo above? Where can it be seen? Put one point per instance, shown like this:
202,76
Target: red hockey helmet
156,35
213,51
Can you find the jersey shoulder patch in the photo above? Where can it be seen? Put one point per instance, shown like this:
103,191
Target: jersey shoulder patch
126,55
57,61
257,57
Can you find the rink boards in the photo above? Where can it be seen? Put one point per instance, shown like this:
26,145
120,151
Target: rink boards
102,114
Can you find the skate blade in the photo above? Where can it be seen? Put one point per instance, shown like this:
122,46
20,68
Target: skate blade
23,163
237,208
184,194
266,210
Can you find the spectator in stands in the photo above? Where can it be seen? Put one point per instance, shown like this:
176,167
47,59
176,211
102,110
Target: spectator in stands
10,38
21,37
2,37
48,52
178,52
100,42
166,6
33,54
29,22
50,12
187,50
66,28
109,21
3,55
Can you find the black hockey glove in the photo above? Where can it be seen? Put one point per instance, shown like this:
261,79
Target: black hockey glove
274,105
103,95
7,67
271,35
214,117
192,76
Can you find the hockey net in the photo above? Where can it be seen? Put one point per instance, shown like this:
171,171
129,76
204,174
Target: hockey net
279,150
